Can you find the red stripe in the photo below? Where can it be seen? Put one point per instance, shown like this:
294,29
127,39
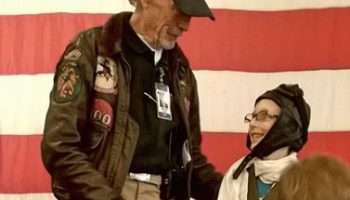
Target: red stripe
21,169
237,40
33,43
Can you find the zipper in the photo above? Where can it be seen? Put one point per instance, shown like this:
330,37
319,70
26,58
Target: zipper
180,89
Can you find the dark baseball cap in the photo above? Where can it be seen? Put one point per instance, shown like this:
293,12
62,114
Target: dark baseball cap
196,8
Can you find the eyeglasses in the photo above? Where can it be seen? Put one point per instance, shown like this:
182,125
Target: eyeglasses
260,116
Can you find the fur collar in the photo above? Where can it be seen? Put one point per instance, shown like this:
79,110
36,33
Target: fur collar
110,42
111,39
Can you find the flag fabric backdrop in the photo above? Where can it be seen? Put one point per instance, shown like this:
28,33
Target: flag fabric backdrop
251,47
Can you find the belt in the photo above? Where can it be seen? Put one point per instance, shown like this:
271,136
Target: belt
146,178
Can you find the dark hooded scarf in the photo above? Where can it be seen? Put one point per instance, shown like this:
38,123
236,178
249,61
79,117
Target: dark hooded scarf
290,128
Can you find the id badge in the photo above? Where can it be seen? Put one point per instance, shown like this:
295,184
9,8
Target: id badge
163,101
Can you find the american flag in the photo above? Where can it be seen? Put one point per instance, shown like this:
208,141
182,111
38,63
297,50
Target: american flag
252,46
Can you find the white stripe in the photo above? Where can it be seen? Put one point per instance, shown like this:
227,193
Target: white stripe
273,5
112,6
27,196
14,7
225,97
24,102
30,196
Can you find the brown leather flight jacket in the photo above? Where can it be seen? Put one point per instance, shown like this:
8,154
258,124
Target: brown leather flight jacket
88,153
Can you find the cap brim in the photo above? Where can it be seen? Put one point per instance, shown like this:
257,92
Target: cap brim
195,8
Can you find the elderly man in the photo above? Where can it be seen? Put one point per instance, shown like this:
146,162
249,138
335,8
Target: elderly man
123,120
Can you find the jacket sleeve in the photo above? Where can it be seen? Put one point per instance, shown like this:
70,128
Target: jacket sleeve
66,118
205,179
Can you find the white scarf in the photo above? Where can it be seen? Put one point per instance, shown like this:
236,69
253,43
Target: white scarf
270,171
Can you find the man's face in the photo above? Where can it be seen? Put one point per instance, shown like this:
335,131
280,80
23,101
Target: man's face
167,23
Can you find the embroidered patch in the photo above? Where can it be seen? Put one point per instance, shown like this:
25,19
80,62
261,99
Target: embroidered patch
106,76
68,83
102,113
73,55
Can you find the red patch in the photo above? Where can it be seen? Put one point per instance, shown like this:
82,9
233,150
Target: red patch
102,113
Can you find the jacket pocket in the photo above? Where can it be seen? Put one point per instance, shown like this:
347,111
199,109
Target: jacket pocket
94,141
96,138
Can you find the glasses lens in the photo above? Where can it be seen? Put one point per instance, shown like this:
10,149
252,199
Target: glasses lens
261,116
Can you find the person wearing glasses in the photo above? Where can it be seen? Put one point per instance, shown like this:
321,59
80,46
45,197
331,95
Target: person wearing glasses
278,129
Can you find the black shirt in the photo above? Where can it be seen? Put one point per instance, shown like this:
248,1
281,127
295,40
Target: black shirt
152,150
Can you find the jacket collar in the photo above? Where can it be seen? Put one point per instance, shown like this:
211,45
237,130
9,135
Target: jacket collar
111,38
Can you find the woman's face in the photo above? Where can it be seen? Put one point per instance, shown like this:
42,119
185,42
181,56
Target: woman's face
261,120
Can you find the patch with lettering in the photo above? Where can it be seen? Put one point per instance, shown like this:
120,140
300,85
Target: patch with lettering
106,76
102,113
68,83
73,55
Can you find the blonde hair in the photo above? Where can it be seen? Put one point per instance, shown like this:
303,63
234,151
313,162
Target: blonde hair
315,178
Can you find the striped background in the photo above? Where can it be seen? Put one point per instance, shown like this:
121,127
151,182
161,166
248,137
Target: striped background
252,46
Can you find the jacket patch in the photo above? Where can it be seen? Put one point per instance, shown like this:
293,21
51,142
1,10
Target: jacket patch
68,83
102,113
73,55
106,76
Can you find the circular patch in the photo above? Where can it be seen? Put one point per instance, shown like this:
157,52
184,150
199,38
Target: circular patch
106,76
102,113
68,83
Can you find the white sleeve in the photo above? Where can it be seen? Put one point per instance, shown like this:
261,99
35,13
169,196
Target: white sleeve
229,188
